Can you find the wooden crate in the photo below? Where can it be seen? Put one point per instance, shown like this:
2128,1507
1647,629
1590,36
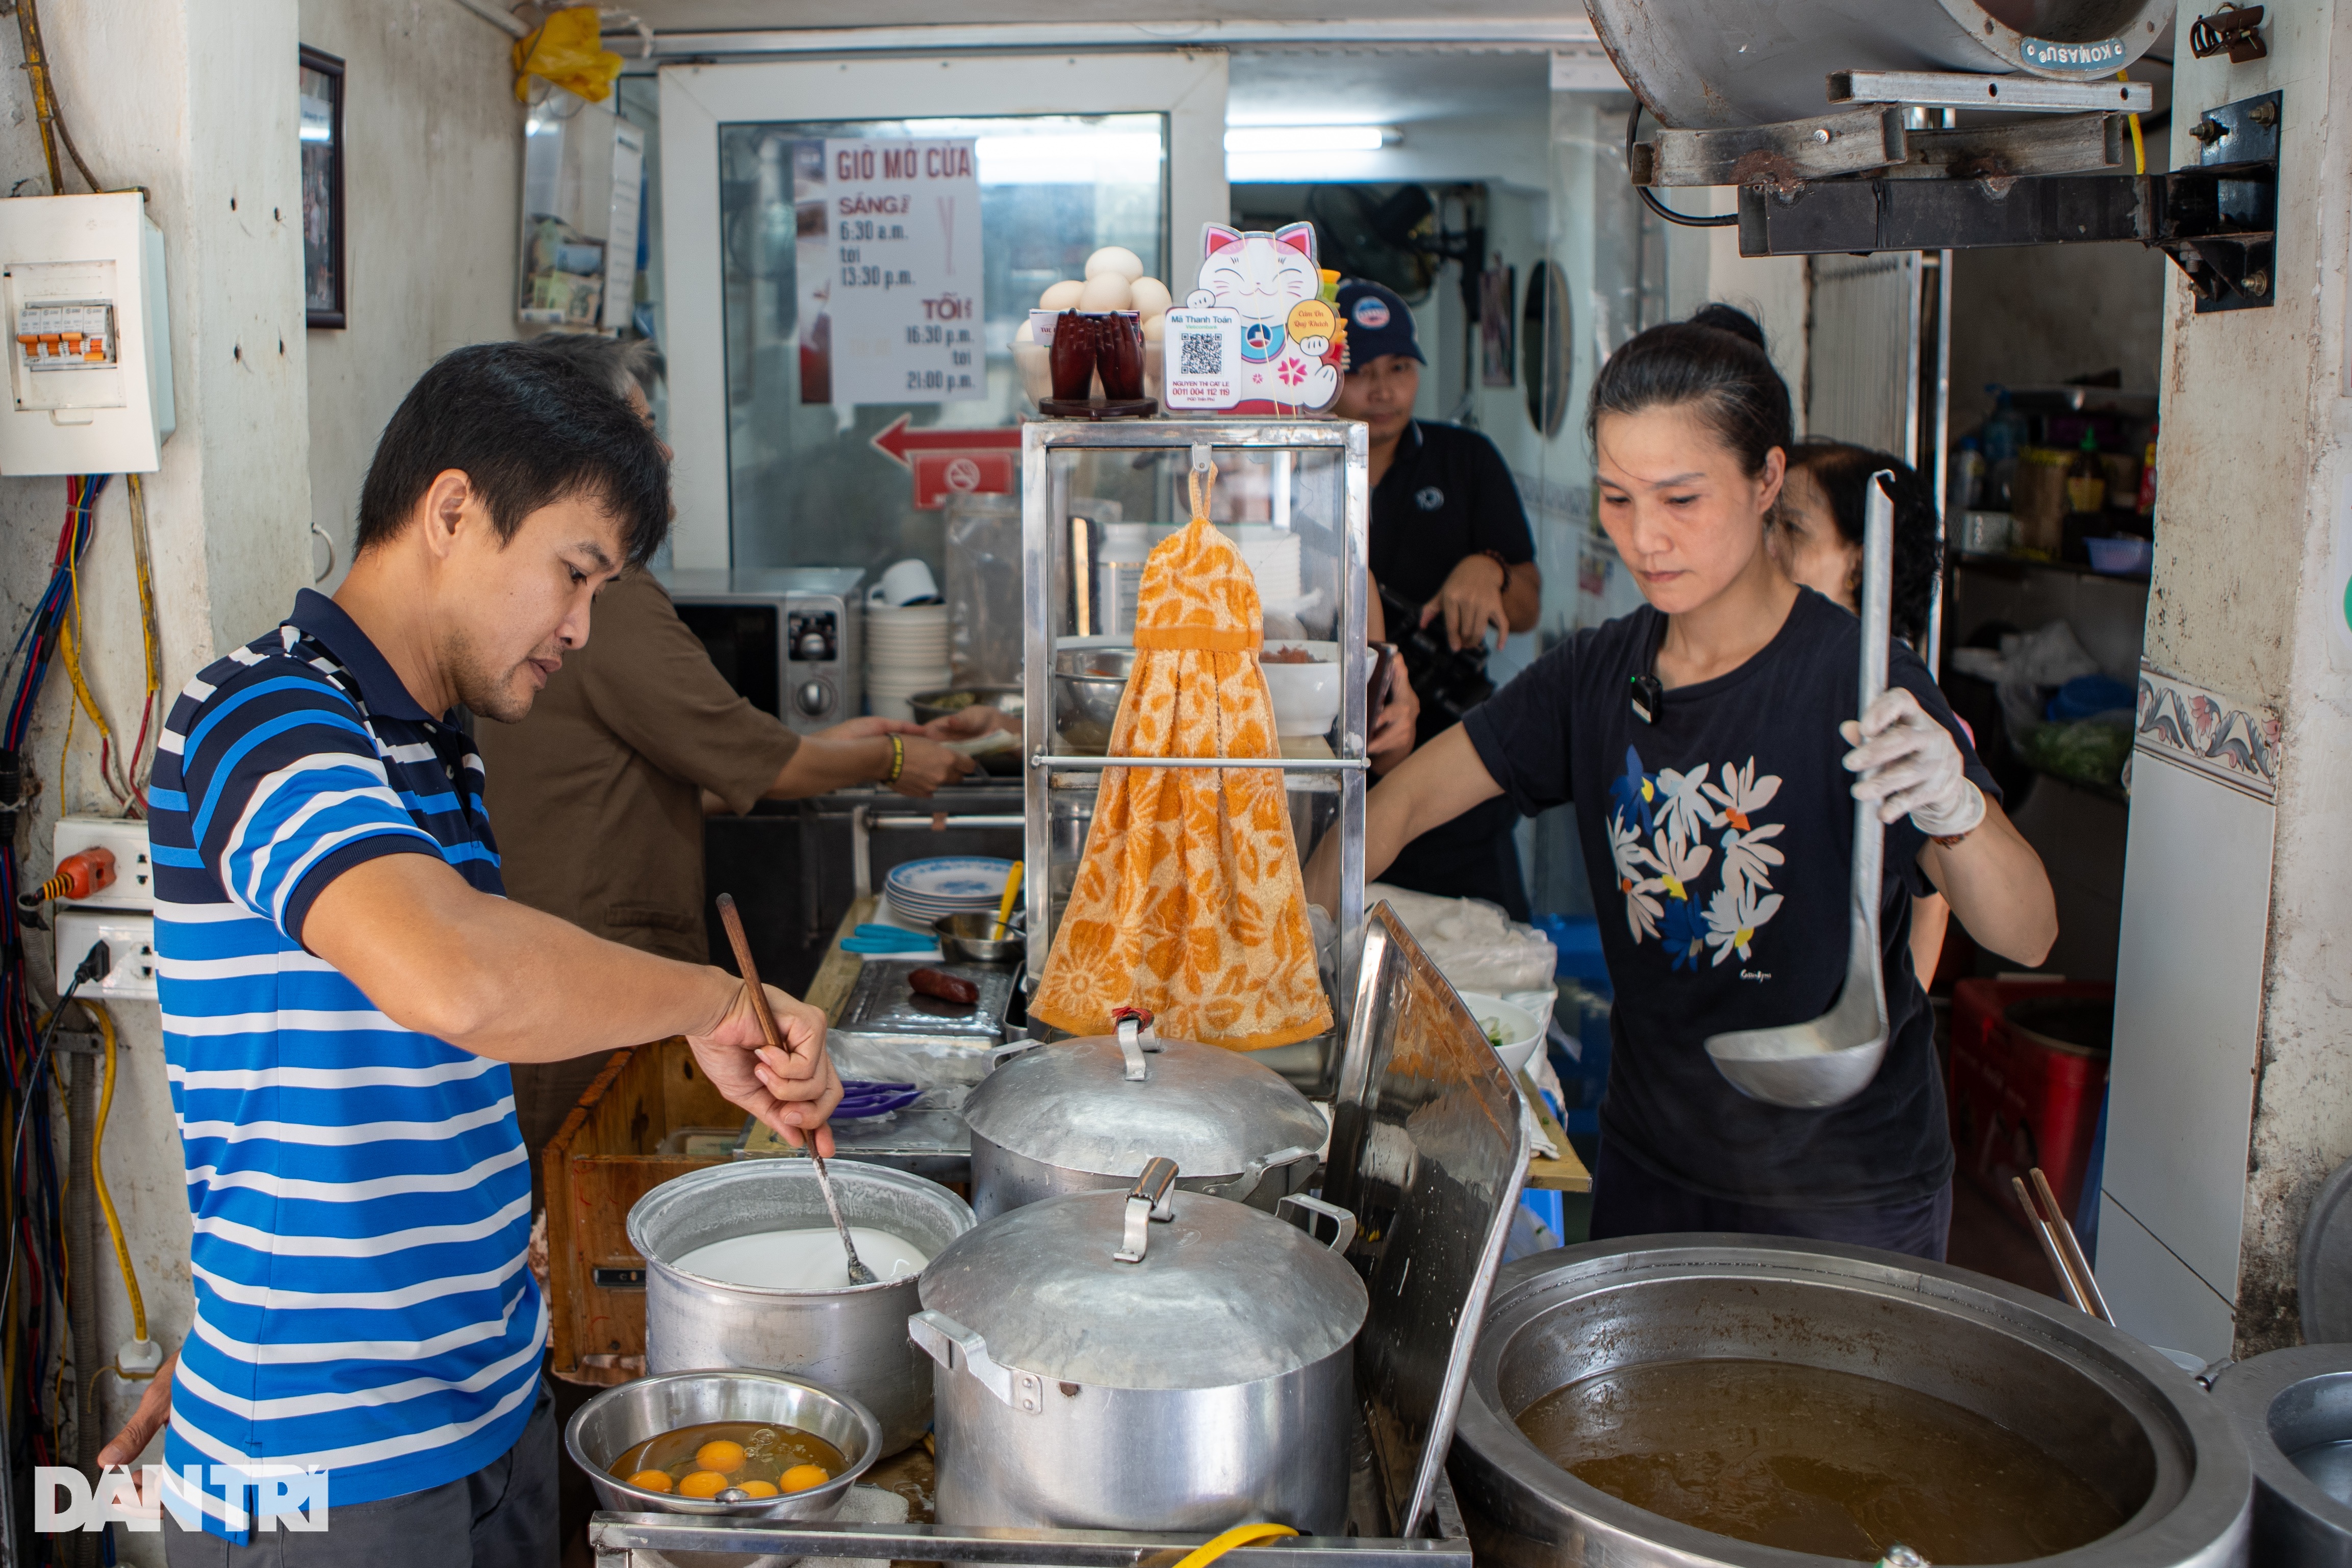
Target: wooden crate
606,1157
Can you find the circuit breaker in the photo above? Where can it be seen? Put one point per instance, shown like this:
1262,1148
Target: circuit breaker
86,327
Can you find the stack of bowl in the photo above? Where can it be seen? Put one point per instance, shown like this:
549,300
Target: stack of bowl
906,652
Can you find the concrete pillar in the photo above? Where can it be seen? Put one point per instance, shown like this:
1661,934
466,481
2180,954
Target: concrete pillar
196,102
2232,1097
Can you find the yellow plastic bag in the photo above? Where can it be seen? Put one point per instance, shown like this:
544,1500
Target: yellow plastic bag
568,50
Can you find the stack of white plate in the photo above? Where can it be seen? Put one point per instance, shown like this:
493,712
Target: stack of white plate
906,652
927,889
1272,556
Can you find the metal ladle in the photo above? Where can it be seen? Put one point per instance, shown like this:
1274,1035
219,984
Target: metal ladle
859,1274
1829,1061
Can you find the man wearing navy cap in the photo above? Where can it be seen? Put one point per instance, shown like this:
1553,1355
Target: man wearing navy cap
1447,534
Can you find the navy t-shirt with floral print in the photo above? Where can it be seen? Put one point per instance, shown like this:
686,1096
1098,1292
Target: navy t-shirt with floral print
1719,844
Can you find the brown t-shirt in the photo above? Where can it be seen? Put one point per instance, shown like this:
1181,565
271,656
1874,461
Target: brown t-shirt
596,797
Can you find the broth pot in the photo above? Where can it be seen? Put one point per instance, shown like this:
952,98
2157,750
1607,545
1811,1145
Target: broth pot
848,1338
2111,1453
1149,1360
1084,1115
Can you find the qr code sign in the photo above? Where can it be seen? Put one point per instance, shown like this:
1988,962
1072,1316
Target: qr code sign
1202,353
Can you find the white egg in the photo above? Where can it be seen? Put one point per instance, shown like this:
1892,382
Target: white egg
1028,334
1115,258
1151,296
1155,329
1105,291
1062,296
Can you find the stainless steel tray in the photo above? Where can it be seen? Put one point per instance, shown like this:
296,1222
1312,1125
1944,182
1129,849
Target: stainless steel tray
1428,1151
881,1004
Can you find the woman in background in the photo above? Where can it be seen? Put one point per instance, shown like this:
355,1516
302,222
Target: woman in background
1816,536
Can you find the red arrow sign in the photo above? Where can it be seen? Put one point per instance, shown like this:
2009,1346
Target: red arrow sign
898,442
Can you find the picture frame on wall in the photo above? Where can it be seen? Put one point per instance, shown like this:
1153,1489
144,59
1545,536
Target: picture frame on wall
323,284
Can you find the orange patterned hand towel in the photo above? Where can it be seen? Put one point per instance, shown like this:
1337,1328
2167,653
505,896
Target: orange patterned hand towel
1189,900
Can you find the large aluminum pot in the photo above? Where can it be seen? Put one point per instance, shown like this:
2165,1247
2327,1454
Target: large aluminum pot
621,1417
1151,1360
1701,63
1083,1116
852,1340
2287,1404
2136,1428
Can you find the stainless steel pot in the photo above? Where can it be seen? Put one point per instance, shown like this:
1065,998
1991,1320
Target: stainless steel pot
852,1340
2285,1404
1149,1360
619,1418
1083,1116
2133,1425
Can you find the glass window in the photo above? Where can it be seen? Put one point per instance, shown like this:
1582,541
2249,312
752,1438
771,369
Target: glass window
805,484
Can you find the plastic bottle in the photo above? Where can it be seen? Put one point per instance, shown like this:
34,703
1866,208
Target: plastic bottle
2004,438
2147,476
2087,478
1966,478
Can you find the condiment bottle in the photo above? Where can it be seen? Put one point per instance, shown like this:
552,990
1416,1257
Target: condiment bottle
2147,476
2087,478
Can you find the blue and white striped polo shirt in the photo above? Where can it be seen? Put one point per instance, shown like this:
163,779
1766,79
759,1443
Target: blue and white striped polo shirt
360,1192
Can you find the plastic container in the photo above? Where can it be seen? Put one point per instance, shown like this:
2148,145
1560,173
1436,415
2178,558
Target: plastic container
2122,555
2025,1087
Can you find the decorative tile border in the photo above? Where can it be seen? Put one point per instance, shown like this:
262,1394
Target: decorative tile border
2228,739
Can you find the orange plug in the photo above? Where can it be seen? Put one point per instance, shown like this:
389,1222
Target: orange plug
79,876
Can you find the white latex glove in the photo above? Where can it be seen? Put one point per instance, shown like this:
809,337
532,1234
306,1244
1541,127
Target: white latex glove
1910,765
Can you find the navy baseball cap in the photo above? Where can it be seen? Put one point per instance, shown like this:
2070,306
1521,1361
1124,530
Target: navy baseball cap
1378,323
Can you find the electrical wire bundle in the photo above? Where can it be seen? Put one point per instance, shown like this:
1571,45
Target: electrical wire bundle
33,1339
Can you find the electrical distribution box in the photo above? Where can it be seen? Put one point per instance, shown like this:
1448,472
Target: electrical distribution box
87,330
122,913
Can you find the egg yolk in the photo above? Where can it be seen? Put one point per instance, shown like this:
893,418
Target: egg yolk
758,1489
720,1454
652,1480
800,1478
702,1483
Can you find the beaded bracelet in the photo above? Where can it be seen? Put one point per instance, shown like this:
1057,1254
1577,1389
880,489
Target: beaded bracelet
898,760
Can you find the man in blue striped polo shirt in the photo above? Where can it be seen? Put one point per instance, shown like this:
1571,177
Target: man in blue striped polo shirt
343,986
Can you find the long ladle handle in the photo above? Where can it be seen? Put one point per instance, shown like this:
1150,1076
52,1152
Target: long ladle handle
775,1037
750,971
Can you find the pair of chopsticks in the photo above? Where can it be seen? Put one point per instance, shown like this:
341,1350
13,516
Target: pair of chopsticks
2058,1245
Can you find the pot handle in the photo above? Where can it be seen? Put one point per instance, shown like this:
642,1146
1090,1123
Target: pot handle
1135,1037
1147,1201
1244,1186
940,1336
1342,1222
1011,1049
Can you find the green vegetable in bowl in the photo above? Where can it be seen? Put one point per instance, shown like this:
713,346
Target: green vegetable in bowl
1496,1036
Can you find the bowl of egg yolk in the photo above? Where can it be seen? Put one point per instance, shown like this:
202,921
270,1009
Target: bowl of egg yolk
723,1443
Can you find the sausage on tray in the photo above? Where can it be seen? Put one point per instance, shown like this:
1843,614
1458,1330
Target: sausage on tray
943,986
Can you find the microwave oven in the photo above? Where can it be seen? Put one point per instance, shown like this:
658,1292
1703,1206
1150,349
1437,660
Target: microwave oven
788,638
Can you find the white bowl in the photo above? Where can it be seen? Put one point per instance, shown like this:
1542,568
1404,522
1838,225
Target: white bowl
1522,1031
1306,696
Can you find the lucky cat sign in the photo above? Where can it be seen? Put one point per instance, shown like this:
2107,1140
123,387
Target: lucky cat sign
1256,336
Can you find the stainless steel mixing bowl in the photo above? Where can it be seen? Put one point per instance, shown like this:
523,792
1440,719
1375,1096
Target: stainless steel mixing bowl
624,1416
2134,1426
1088,684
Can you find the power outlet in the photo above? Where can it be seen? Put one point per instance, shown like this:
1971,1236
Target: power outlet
129,940
134,868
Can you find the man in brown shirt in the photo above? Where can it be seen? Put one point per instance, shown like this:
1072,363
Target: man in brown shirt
596,798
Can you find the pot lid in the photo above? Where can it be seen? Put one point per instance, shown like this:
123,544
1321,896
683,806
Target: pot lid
1220,1294
1083,1105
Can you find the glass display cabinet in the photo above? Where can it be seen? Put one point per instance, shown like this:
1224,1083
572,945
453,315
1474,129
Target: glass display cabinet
1294,496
